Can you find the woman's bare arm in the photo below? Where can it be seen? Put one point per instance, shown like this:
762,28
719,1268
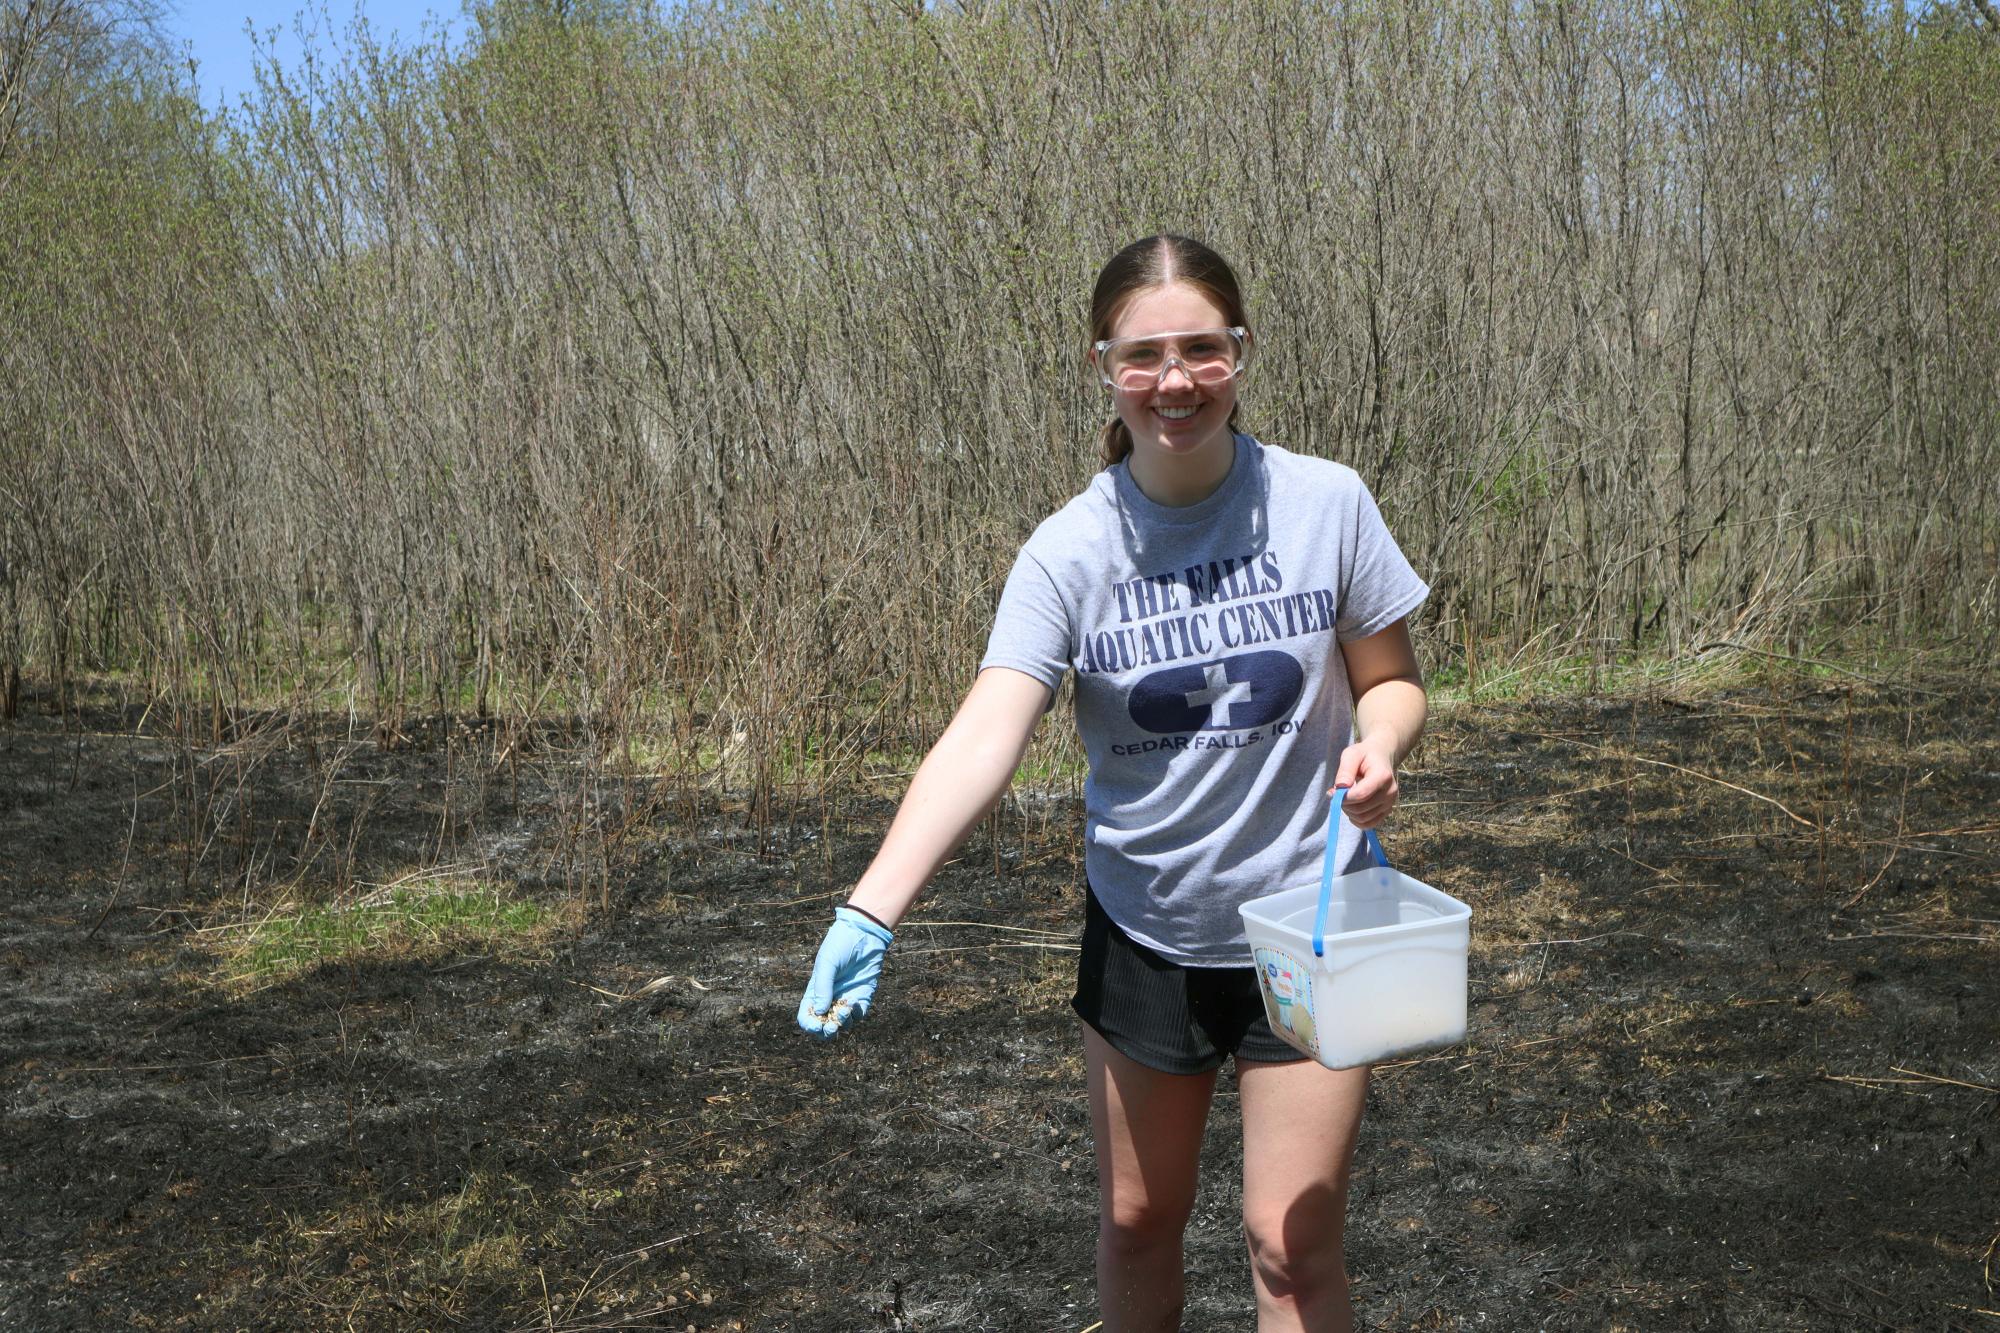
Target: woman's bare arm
958,782
1389,711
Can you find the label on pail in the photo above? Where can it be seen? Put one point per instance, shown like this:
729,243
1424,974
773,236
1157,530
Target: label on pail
1287,989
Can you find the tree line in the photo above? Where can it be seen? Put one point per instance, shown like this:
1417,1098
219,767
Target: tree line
691,374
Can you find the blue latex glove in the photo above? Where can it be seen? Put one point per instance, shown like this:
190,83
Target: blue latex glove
844,974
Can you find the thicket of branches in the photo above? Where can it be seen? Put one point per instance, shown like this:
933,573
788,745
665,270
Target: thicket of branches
693,375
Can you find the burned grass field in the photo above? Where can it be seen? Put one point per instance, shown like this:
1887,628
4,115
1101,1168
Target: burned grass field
1734,1047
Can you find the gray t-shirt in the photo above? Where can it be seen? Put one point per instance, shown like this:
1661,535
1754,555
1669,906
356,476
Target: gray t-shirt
1210,695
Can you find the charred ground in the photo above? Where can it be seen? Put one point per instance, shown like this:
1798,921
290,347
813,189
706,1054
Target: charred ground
1735,1015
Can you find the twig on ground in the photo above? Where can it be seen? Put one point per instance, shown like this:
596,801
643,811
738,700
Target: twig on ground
124,864
584,1290
1606,750
794,902
1939,1078
1455,1054
1912,1077
656,1245
1664,874
1895,850
1965,831
228,926
1587,939
653,987
981,948
989,925
1902,808
381,893
1878,1084
1928,849
623,1321
1913,935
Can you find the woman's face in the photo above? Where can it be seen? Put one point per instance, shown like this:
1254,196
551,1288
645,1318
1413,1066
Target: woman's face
1176,418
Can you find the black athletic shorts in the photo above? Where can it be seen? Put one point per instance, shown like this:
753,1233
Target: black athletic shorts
1178,1020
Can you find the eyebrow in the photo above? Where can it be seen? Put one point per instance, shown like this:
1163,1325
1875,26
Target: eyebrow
1171,333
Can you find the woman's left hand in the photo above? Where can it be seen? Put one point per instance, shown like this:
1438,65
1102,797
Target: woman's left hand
1369,774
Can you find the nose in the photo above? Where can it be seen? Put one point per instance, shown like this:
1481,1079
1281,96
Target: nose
1173,367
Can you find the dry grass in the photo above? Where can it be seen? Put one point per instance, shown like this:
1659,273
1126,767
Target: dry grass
641,382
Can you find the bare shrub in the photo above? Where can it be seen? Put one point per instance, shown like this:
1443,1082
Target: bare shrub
687,378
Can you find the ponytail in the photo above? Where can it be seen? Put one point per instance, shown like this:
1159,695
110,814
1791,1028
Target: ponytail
1114,442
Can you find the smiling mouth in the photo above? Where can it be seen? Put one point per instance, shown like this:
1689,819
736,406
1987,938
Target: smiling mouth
1178,413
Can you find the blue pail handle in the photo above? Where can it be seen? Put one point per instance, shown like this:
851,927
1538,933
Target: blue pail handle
1374,845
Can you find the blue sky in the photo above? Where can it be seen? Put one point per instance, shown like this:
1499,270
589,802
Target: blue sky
213,30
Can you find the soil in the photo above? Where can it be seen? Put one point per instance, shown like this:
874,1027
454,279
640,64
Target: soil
1732,1057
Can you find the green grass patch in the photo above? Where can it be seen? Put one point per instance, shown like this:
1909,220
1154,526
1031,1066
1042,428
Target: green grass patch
417,919
1496,673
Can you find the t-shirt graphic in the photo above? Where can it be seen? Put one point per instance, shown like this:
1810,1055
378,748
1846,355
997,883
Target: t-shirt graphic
1211,695
1248,690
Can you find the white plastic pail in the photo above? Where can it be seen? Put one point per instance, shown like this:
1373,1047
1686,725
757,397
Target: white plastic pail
1388,977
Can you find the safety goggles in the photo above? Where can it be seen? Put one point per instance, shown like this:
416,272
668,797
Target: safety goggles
1209,357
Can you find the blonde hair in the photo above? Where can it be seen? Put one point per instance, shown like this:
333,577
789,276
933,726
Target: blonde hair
1145,266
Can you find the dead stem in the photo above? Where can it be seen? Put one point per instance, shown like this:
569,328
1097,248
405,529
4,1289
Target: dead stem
1915,1078
1461,1055
124,864
1913,935
990,925
1693,773
653,987
1939,1078
981,948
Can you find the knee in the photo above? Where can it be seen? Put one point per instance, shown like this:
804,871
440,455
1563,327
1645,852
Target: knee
1137,1224
1298,1258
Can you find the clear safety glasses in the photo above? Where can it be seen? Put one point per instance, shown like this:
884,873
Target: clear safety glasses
1209,357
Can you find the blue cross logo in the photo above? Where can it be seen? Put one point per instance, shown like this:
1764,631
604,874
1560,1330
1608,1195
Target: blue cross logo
1234,694
1218,692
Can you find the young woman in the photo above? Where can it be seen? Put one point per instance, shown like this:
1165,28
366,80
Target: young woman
1235,616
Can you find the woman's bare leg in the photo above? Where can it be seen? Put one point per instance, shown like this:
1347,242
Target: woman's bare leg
1300,1123
1147,1129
